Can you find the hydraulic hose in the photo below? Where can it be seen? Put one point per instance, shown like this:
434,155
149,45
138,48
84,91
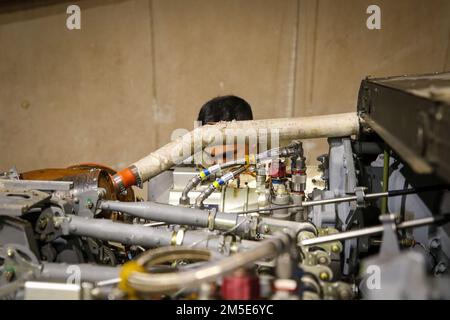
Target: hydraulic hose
216,185
290,150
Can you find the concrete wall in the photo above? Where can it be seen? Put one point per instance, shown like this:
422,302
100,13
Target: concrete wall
138,69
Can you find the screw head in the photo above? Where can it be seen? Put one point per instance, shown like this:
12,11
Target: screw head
322,260
435,243
335,248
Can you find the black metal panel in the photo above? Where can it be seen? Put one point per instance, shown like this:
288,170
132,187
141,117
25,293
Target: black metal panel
412,115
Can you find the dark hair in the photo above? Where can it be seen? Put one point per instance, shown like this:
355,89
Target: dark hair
225,108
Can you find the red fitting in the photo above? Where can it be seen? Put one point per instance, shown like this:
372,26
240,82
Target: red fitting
126,178
240,286
277,169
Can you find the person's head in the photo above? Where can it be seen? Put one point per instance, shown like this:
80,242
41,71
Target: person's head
225,108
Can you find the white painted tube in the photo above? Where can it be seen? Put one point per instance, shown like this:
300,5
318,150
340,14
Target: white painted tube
334,125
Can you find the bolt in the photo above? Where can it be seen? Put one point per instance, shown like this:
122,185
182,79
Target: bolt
266,228
335,248
322,260
10,253
89,205
323,276
435,243
441,268
101,193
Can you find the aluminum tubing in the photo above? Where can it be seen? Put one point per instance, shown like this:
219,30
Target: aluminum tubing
177,214
160,212
334,125
130,234
152,283
61,272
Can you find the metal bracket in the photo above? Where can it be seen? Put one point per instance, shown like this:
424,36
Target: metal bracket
360,197
16,202
389,245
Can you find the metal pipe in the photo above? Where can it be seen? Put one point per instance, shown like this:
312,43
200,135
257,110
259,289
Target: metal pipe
167,282
334,125
371,231
160,212
222,221
177,215
369,196
61,272
134,234
130,234
194,182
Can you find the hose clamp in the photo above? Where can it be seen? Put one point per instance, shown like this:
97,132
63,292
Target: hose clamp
137,176
180,237
212,218
177,238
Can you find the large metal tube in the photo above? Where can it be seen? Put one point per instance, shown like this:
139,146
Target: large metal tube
176,214
129,234
335,125
152,283
160,212
133,234
221,221
371,231
62,272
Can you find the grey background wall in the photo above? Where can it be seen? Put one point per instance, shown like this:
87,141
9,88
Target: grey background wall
138,69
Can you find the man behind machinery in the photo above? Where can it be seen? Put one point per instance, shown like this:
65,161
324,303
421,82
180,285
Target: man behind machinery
224,108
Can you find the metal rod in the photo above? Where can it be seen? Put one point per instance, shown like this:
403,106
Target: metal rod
371,231
334,125
61,272
159,212
369,196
